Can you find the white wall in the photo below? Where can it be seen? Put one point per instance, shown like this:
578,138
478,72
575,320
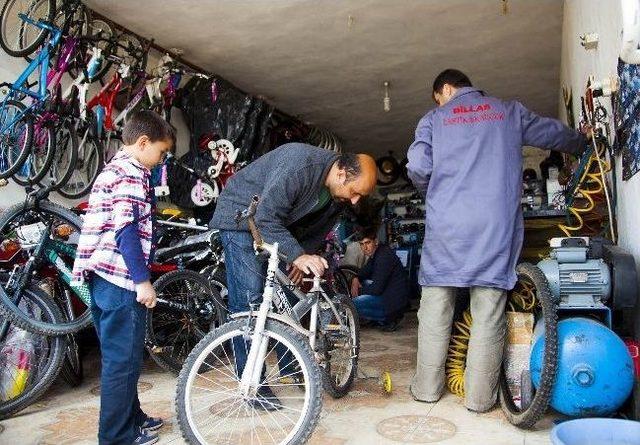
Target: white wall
603,17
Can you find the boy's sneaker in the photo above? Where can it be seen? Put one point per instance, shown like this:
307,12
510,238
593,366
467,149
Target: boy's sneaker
146,438
152,424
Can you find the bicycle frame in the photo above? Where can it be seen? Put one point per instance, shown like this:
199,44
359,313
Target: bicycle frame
41,61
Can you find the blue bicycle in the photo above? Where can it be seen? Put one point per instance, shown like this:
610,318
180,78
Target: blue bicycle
16,118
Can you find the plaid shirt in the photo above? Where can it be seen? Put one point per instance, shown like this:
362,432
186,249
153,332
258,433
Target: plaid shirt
120,196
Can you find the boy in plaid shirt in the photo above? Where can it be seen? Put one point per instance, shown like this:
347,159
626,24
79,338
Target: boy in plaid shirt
113,253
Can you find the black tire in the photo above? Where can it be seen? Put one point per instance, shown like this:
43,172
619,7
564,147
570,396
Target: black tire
65,156
340,385
526,389
50,356
527,417
346,274
192,289
40,158
88,165
72,371
15,149
16,216
234,329
101,34
17,38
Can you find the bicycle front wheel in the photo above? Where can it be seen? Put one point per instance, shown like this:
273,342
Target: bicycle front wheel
29,363
17,37
65,156
65,231
285,407
172,332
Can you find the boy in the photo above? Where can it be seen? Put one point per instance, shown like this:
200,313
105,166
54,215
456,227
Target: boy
113,253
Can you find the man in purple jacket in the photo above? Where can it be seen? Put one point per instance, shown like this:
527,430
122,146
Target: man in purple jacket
467,159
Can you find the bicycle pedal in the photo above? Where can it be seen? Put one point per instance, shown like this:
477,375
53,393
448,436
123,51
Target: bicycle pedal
161,349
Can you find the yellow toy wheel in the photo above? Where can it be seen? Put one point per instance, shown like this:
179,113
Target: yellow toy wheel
386,382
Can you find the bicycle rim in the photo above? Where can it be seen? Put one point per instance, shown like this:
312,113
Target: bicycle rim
174,333
88,165
215,410
65,228
40,157
15,139
65,155
29,363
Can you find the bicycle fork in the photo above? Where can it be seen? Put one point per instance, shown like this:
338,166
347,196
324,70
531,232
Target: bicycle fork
252,372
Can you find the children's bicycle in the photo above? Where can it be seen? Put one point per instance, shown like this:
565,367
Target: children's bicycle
258,378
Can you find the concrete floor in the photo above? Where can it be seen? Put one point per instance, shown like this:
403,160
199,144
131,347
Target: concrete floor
365,416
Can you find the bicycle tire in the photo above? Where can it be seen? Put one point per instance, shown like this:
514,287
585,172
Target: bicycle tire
349,273
527,418
272,327
66,153
100,34
25,48
6,157
40,158
53,364
340,389
90,153
72,371
9,309
191,324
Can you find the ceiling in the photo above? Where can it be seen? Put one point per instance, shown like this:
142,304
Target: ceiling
326,61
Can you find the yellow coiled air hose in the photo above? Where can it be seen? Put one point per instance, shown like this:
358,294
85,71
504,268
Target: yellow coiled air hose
522,299
591,188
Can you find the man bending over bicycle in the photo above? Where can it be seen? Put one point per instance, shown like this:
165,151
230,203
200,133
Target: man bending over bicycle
299,185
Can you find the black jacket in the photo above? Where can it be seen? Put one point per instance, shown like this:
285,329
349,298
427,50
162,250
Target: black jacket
388,278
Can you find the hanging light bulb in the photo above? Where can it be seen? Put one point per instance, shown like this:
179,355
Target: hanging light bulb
386,102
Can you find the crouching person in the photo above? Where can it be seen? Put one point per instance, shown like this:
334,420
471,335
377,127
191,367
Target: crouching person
381,289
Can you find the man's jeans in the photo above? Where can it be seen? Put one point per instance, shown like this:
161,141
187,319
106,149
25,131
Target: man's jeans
245,282
120,323
486,344
370,307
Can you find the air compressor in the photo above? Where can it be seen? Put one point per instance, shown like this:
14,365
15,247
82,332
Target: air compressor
595,287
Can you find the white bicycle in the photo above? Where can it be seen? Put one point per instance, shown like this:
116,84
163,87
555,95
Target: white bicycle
258,378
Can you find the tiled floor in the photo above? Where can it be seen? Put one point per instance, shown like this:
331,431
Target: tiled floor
366,416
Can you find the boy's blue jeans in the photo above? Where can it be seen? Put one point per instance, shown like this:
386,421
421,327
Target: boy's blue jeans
120,323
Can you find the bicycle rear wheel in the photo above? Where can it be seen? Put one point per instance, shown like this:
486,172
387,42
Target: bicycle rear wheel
29,363
65,230
88,165
173,333
340,348
211,408
40,158
16,137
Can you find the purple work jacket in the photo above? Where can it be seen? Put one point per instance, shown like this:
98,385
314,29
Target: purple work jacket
467,157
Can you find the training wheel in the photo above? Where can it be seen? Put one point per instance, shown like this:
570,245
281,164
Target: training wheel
386,382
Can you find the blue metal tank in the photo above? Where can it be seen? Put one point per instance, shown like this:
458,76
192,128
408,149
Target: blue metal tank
595,370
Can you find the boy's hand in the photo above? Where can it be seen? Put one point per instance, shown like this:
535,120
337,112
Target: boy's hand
146,294
355,287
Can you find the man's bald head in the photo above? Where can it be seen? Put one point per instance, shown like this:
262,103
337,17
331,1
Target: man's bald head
352,177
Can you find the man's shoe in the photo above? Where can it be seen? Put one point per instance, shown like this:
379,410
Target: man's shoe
266,400
152,424
146,438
